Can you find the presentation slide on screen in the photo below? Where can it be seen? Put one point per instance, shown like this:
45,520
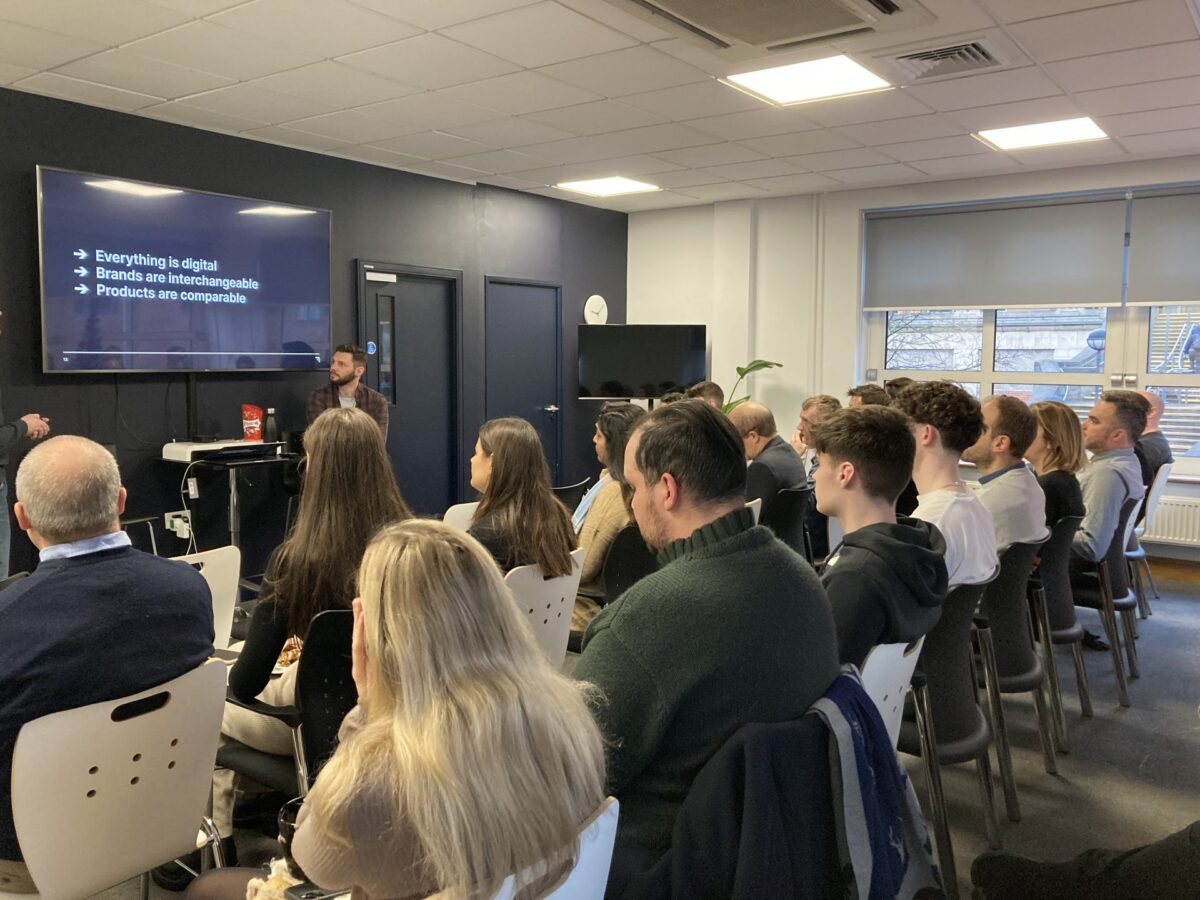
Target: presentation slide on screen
146,277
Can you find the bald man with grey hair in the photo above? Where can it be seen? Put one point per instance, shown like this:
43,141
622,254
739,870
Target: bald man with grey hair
774,464
98,620
1153,449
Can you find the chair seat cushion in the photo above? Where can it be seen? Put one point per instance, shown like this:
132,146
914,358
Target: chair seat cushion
275,772
1086,596
1067,635
966,748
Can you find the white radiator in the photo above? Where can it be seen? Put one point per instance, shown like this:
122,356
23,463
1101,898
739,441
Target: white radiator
1176,521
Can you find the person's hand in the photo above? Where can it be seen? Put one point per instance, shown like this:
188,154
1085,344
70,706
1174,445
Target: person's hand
38,427
798,442
358,653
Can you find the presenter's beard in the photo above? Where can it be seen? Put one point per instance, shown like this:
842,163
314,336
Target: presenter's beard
343,381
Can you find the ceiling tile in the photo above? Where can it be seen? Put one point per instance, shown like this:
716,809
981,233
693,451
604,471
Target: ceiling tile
336,85
128,71
764,168
498,161
1127,67
633,70
1016,10
293,138
595,118
895,172
1105,29
1025,112
961,145
1068,154
508,181
432,16
250,102
795,184
429,60
377,156
9,74
895,130
1139,97
657,200
694,101
111,22
436,145
356,127
634,26
1151,121
509,132
997,87
430,111
695,55
197,8
199,118
685,178
954,166
838,159
223,51
621,143
631,166
444,170
891,104
328,28
86,92
33,48
714,193
756,123
539,35
803,142
1186,141
522,92
710,155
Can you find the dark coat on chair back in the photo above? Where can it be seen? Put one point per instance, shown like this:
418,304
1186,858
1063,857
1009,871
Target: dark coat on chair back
778,466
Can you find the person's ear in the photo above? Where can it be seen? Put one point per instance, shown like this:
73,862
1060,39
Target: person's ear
22,518
122,496
1002,443
845,474
671,496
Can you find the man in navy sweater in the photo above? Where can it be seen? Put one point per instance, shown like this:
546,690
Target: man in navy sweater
98,620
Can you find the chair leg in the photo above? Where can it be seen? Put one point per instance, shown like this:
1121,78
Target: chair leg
1129,624
1109,617
999,728
933,783
144,886
1041,617
1045,728
1153,586
1140,589
214,842
987,797
1085,695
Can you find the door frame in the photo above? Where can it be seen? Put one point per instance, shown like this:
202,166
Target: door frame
488,281
361,267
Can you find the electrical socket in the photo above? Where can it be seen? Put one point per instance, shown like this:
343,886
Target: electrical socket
180,523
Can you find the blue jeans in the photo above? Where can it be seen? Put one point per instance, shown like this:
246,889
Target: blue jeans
4,529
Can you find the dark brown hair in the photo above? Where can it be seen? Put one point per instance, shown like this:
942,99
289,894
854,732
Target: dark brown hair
617,422
698,446
876,440
894,386
947,407
358,353
1131,411
1016,421
518,497
1062,436
870,394
706,390
349,494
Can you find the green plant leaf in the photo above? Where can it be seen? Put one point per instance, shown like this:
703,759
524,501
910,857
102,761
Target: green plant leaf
757,365
733,403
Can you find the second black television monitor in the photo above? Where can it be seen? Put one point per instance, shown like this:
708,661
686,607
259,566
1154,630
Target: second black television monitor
625,361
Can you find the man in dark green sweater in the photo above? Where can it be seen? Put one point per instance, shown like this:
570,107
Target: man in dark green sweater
734,628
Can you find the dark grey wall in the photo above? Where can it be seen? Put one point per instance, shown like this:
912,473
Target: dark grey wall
378,214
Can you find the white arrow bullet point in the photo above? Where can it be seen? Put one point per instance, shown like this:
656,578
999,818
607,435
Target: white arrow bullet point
81,254
80,289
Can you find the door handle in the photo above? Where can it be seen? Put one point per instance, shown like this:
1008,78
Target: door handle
1131,381
1116,380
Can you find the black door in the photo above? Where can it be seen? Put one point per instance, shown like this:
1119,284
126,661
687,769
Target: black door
408,321
523,346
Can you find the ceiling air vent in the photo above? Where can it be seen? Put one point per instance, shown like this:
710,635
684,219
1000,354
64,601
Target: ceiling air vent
955,60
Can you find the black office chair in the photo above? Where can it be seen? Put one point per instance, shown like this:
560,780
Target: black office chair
627,562
325,693
786,515
571,494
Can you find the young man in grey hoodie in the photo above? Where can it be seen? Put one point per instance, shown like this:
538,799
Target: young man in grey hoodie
887,580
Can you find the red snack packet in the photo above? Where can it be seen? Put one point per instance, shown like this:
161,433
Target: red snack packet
252,418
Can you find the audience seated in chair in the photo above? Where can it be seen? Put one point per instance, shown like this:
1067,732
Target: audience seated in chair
945,420
349,494
774,465
1008,489
812,411
867,395
518,519
734,628
1152,448
98,620
1056,455
887,579
468,758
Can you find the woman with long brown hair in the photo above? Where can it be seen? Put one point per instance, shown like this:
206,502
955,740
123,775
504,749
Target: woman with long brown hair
1057,454
519,520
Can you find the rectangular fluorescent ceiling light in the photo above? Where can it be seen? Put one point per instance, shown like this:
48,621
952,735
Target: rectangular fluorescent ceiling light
608,187
818,79
276,211
1021,137
132,187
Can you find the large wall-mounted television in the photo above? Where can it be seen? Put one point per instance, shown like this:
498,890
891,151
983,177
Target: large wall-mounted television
140,277
626,361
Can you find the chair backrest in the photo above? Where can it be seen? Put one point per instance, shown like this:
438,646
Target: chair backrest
1118,570
548,602
886,673
222,569
12,579
1157,487
755,507
589,875
570,494
460,514
1054,571
325,690
785,516
1129,542
1006,603
948,663
105,792
629,560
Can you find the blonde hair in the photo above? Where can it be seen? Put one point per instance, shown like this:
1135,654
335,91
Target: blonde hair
68,487
1062,435
492,756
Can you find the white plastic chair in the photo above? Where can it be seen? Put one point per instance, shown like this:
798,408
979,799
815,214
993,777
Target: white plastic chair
886,674
460,514
589,876
105,792
1135,552
221,568
549,603
755,507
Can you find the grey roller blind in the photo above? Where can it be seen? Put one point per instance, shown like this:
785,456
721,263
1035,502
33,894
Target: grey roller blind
1069,254
1164,250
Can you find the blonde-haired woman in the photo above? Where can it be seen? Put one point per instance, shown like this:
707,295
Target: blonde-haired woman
468,757
1057,454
